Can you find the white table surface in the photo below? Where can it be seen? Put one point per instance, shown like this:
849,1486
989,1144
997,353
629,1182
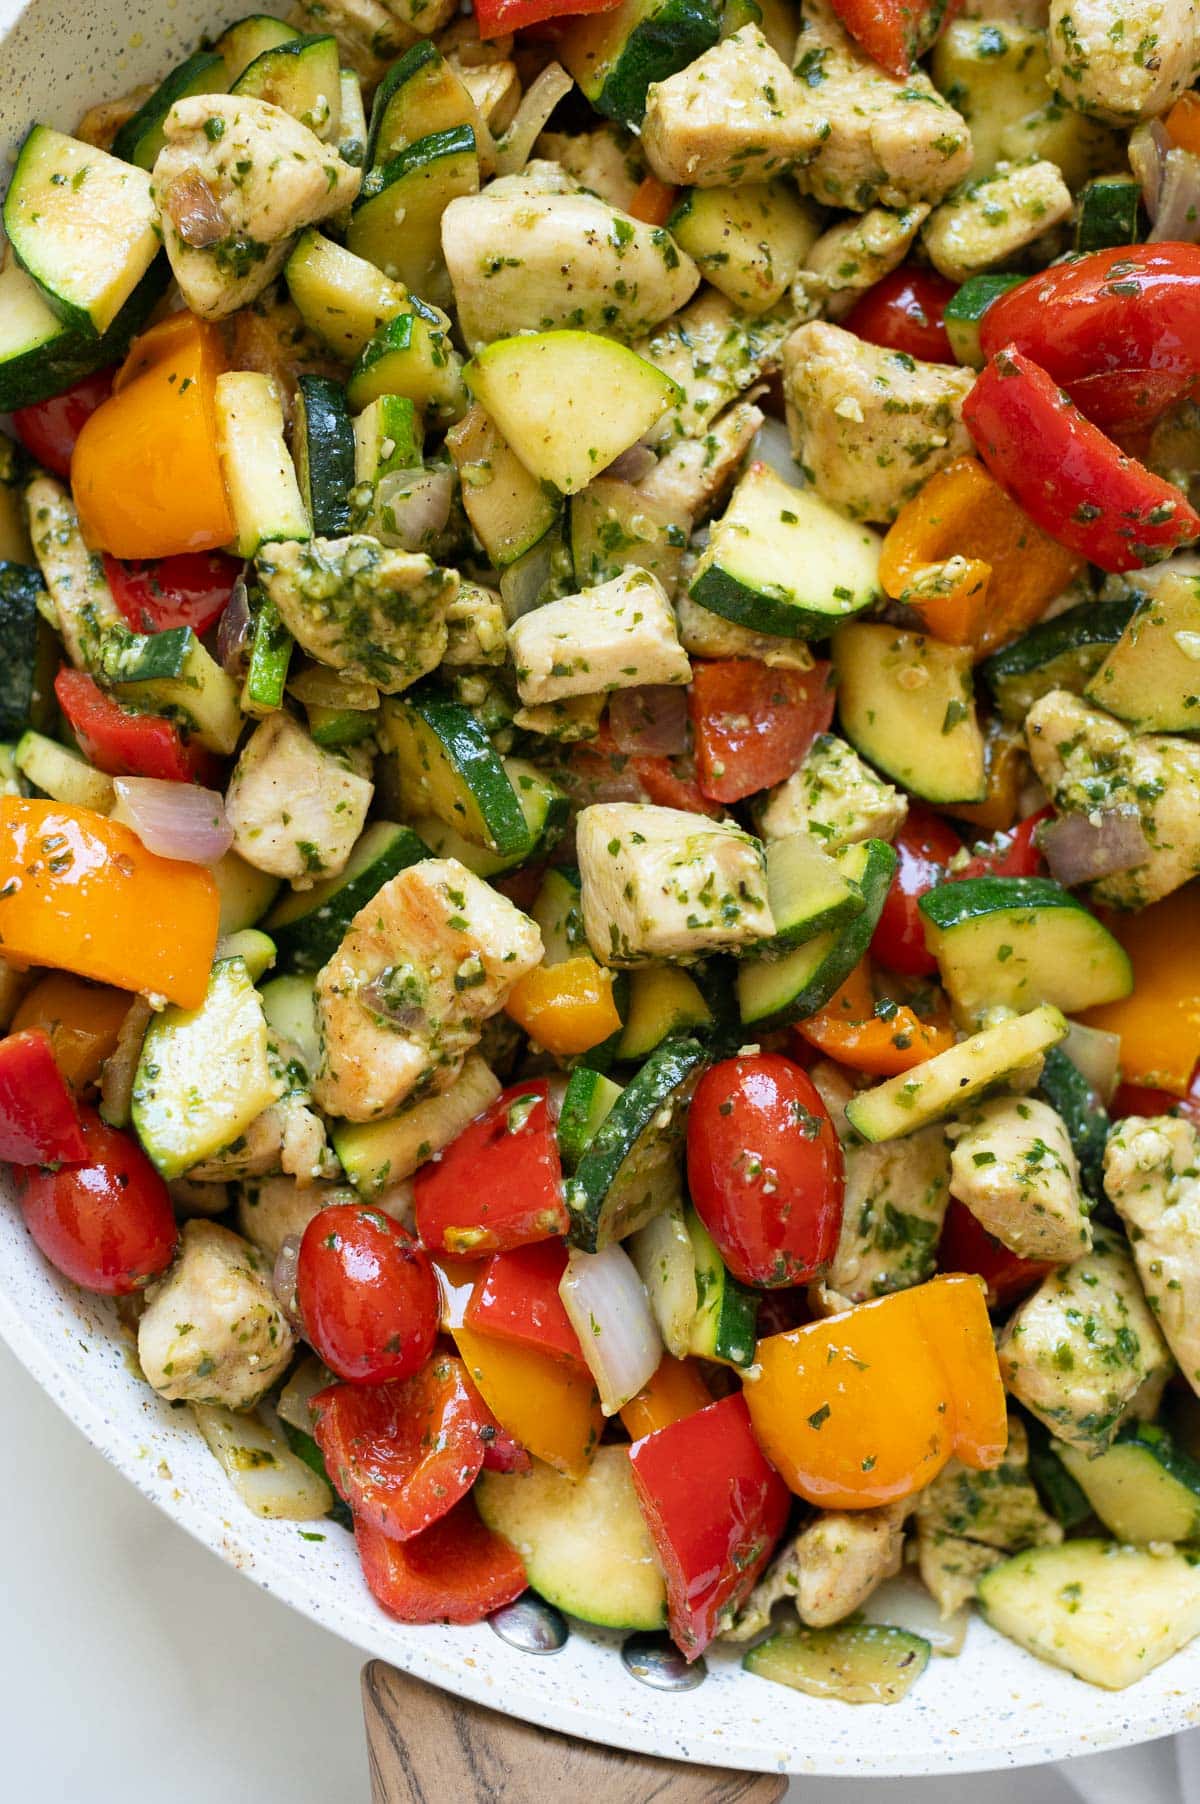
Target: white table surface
135,1667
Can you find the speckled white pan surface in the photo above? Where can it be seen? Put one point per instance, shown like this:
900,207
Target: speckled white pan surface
992,1707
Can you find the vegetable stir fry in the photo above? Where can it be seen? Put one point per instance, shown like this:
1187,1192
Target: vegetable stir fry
600,818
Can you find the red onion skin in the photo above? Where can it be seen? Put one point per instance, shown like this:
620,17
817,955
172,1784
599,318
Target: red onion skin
283,1278
233,631
175,820
1079,850
650,721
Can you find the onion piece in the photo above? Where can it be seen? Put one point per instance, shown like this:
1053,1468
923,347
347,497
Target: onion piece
651,720
413,506
666,1264
283,1277
1149,147
195,211
1096,1055
262,1468
632,465
610,1312
176,820
1170,178
1080,848
310,1376
529,120
234,631
120,1067
902,1602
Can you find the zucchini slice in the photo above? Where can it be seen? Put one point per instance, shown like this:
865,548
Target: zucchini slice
775,990
940,1086
352,126
411,354
663,1000
40,356
587,1101
445,766
1012,942
270,655
303,77
666,1264
396,222
342,298
62,774
246,893
419,96
1151,677
375,1154
1109,213
83,224
724,1326
615,55
1109,1614
558,911
171,673
308,925
323,438
966,308
810,892
630,1169
856,1662
781,561
1083,1115
1143,1488
747,241
141,138
584,1541
260,478
544,805
606,397
510,511
1059,654
290,1006
28,653
907,704
243,42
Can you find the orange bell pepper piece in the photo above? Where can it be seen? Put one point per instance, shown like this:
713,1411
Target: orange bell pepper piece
550,1408
850,1030
145,472
1159,1021
567,1008
1183,122
971,563
675,1391
82,894
652,201
866,1408
82,1019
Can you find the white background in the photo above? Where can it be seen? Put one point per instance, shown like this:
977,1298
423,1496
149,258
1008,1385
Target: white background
136,1668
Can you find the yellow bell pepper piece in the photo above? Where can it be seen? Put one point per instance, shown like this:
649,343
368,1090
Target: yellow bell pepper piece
568,1008
82,1019
1159,1021
675,1391
547,1406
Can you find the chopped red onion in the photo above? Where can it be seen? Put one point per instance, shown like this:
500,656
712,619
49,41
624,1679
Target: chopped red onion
610,1312
650,720
413,506
195,211
1170,178
1081,848
529,120
176,820
632,465
234,631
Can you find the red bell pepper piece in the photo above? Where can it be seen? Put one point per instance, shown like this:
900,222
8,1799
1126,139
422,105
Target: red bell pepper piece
924,847
1133,310
402,1454
906,312
753,725
127,745
1011,854
39,1122
503,1453
192,589
457,1571
895,32
966,1246
495,18
1139,1099
48,429
499,1185
715,1509
516,1298
1071,480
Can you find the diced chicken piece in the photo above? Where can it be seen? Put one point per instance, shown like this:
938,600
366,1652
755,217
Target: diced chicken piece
868,426
373,613
1123,66
522,261
829,1569
369,36
992,222
212,1331
736,114
663,883
403,999
951,1568
891,142
1033,15
234,182
1084,1352
693,476
287,1137
968,1521
895,1198
578,717
270,1212
618,636
606,162
296,809
713,353
1014,1167
1089,763
853,255
494,87
834,797
704,634
476,628
1152,1177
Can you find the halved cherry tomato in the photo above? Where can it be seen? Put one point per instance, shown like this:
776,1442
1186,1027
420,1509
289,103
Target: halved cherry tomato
906,312
124,744
39,1122
402,1454
966,1246
516,1298
48,429
924,847
1138,1099
499,1185
715,1510
671,783
752,725
457,1571
765,1169
106,1223
192,589
367,1294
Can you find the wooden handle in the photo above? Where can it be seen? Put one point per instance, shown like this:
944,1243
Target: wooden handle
427,1747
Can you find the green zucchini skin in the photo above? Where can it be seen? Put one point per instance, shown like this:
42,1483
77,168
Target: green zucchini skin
1109,214
307,926
141,138
1084,1116
270,655
324,442
1059,654
33,373
26,673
